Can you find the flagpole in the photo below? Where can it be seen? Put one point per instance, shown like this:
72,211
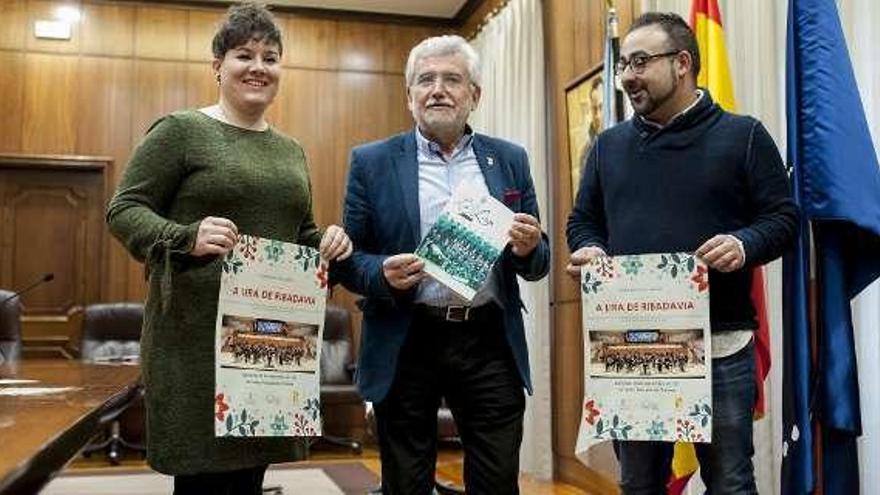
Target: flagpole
613,98
613,28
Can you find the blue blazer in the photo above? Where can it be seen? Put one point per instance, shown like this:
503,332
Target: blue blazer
382,218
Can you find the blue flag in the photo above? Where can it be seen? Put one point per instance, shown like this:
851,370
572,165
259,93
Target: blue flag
836,182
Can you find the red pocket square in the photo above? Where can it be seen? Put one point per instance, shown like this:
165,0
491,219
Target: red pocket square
511,196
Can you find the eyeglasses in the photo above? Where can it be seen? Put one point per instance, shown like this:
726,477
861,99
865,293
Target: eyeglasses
639,62
447,79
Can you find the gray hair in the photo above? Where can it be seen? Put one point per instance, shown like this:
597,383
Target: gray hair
439,46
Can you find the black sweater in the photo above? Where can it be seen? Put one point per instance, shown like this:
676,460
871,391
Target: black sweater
648,190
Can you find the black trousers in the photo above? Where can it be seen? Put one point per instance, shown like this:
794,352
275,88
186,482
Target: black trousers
470,364
238,482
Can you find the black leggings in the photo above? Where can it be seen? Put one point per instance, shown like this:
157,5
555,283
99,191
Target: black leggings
239,482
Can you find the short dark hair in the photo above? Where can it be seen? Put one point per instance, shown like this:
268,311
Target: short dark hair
681,36
244,22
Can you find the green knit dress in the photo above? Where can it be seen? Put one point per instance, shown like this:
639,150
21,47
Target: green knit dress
190,166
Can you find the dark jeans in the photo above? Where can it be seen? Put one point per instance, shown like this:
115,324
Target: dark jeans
726,463
239,482
470,364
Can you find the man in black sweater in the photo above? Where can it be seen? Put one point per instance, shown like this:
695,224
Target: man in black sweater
684,175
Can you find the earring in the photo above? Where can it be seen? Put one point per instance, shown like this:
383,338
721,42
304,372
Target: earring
218,79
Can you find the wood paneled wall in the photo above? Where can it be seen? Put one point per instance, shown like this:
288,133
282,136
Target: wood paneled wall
574,33
128,63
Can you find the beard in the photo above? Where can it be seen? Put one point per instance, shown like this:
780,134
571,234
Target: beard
444,124
645,101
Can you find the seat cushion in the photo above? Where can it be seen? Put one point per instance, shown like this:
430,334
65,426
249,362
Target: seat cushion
335,359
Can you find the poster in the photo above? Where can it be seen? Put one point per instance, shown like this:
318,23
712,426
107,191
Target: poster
584,106
647,365
270,318
462,246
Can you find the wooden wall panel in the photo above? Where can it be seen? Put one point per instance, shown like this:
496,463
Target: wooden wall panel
399,40
103,107
13,19
310,42
104,116
275,111
361,46
107,29
159,89
201,26
309,110
364,115
49,120
201,85
323,143
12,92
592,35
399,115
160,33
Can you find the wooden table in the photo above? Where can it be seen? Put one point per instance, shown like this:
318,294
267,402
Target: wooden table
40,434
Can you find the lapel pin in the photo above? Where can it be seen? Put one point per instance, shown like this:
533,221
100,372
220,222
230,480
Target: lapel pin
490,161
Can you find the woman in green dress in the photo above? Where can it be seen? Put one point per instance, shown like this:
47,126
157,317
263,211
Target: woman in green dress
197,179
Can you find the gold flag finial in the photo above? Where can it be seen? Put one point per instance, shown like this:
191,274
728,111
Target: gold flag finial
612,19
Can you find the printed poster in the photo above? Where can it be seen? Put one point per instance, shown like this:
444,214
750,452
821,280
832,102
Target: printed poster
462,246
270,320
647,350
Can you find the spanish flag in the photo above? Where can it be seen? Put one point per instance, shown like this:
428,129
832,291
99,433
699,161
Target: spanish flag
715,76
715,72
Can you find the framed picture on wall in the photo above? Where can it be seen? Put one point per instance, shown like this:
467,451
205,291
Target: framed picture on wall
583,104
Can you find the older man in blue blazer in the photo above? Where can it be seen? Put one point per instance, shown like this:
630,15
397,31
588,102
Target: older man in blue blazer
420,343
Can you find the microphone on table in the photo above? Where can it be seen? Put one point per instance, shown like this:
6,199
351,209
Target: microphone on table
47,277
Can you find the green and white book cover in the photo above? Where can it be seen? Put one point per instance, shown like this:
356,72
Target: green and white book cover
463,245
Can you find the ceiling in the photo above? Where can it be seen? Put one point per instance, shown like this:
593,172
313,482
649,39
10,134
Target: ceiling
421,8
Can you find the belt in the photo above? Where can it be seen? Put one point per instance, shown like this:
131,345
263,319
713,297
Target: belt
456,314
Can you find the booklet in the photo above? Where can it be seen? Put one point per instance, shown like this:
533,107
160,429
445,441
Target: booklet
270,319
647,350
462,246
